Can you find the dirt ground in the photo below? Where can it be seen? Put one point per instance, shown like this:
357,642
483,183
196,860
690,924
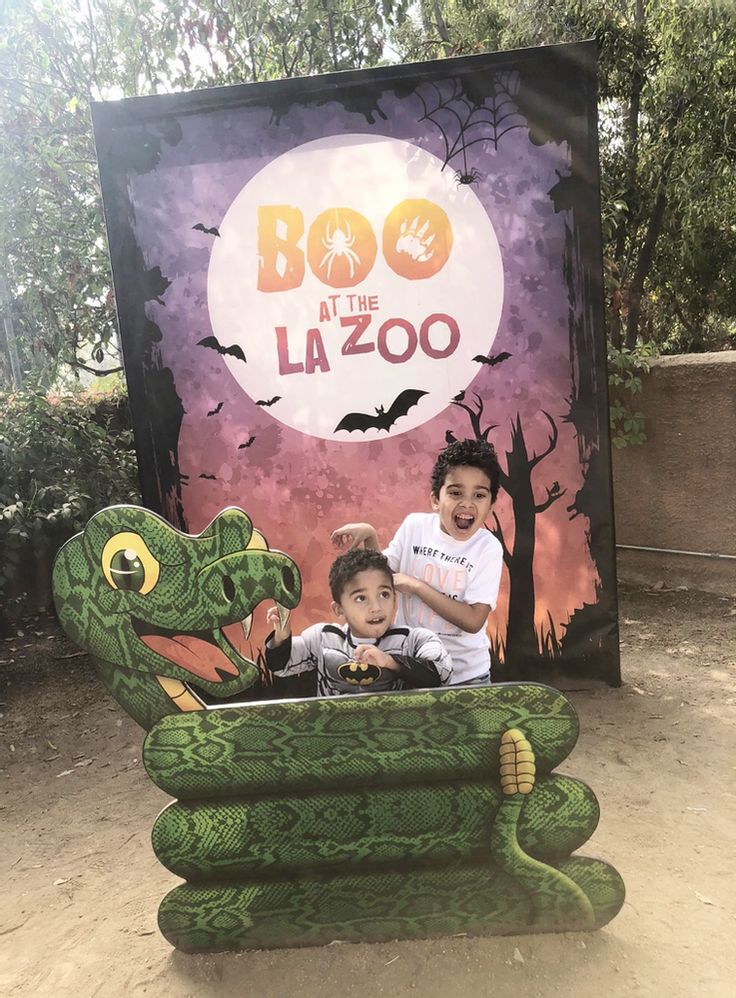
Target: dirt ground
81,885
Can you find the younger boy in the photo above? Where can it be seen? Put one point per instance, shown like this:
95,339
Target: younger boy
446,566
366,654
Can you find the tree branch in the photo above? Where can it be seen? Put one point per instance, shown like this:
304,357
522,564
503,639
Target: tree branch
536,458
94,370
553,494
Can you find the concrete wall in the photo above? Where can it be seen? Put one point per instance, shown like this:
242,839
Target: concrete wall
678,490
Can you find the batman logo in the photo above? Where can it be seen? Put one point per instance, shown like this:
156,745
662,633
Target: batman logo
358,673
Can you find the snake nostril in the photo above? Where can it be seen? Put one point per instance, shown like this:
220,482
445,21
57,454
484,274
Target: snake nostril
228,588
287,579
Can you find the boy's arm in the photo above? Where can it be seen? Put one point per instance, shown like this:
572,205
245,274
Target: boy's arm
414,671
427,663
287,655
352,535
470,617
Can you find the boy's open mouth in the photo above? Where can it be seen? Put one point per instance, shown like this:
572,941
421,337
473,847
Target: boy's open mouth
463,521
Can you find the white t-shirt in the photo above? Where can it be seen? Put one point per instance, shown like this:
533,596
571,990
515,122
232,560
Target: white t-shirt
468,571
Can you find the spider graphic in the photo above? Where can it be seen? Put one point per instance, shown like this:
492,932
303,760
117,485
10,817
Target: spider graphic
467,178
339,243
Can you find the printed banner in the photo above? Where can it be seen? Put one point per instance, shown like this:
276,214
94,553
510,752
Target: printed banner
321,282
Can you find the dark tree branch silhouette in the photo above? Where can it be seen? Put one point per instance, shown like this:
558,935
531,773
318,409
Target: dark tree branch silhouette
523,649
475,413
536,458
553,494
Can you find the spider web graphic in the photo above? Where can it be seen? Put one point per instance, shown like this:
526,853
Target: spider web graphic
464,121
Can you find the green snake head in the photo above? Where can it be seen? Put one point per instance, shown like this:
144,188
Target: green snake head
166,615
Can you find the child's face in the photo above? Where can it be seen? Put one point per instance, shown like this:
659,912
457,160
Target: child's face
368,603
464,502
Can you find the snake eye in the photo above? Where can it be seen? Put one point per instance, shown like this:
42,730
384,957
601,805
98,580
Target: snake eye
128,565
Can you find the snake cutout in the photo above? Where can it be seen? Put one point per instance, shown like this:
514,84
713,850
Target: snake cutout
362,817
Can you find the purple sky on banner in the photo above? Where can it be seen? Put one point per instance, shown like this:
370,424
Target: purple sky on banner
297,487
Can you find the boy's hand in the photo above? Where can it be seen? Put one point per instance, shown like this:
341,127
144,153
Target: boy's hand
281,630
352,535
406,584
374,656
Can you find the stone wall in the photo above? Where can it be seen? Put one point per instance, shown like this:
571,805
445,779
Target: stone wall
678,490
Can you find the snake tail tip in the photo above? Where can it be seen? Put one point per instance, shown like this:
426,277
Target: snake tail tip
517,765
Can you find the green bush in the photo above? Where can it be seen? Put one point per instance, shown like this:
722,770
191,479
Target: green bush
61,460
625,368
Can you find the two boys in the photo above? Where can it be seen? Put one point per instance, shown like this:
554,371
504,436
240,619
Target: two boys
446,568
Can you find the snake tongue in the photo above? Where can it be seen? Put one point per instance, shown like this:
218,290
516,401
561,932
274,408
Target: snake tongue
200,657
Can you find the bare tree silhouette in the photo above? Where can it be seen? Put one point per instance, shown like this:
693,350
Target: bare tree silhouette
523,651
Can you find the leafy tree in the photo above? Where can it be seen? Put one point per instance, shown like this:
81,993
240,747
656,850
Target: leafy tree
667,122
667,82
62,458
55,294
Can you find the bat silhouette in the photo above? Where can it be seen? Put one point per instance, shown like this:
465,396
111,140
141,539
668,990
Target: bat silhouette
214,344
248,442
211,477
383,419
268,402
492,361
214,231
213,412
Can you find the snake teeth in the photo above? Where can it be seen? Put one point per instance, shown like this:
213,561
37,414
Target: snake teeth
180,693
517,767
247,624
284,615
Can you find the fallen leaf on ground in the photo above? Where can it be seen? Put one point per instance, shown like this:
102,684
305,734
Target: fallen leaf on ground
61,880
702,898
391,961
517,955
83,762
66,772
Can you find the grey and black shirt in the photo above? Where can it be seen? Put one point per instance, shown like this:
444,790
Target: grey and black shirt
330,650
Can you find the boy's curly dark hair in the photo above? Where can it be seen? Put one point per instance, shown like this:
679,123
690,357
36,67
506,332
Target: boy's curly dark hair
474,453
347,566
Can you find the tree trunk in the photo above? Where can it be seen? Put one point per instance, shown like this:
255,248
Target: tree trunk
521,639
646,253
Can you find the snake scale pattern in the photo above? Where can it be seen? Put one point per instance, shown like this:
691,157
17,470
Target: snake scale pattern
360,818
